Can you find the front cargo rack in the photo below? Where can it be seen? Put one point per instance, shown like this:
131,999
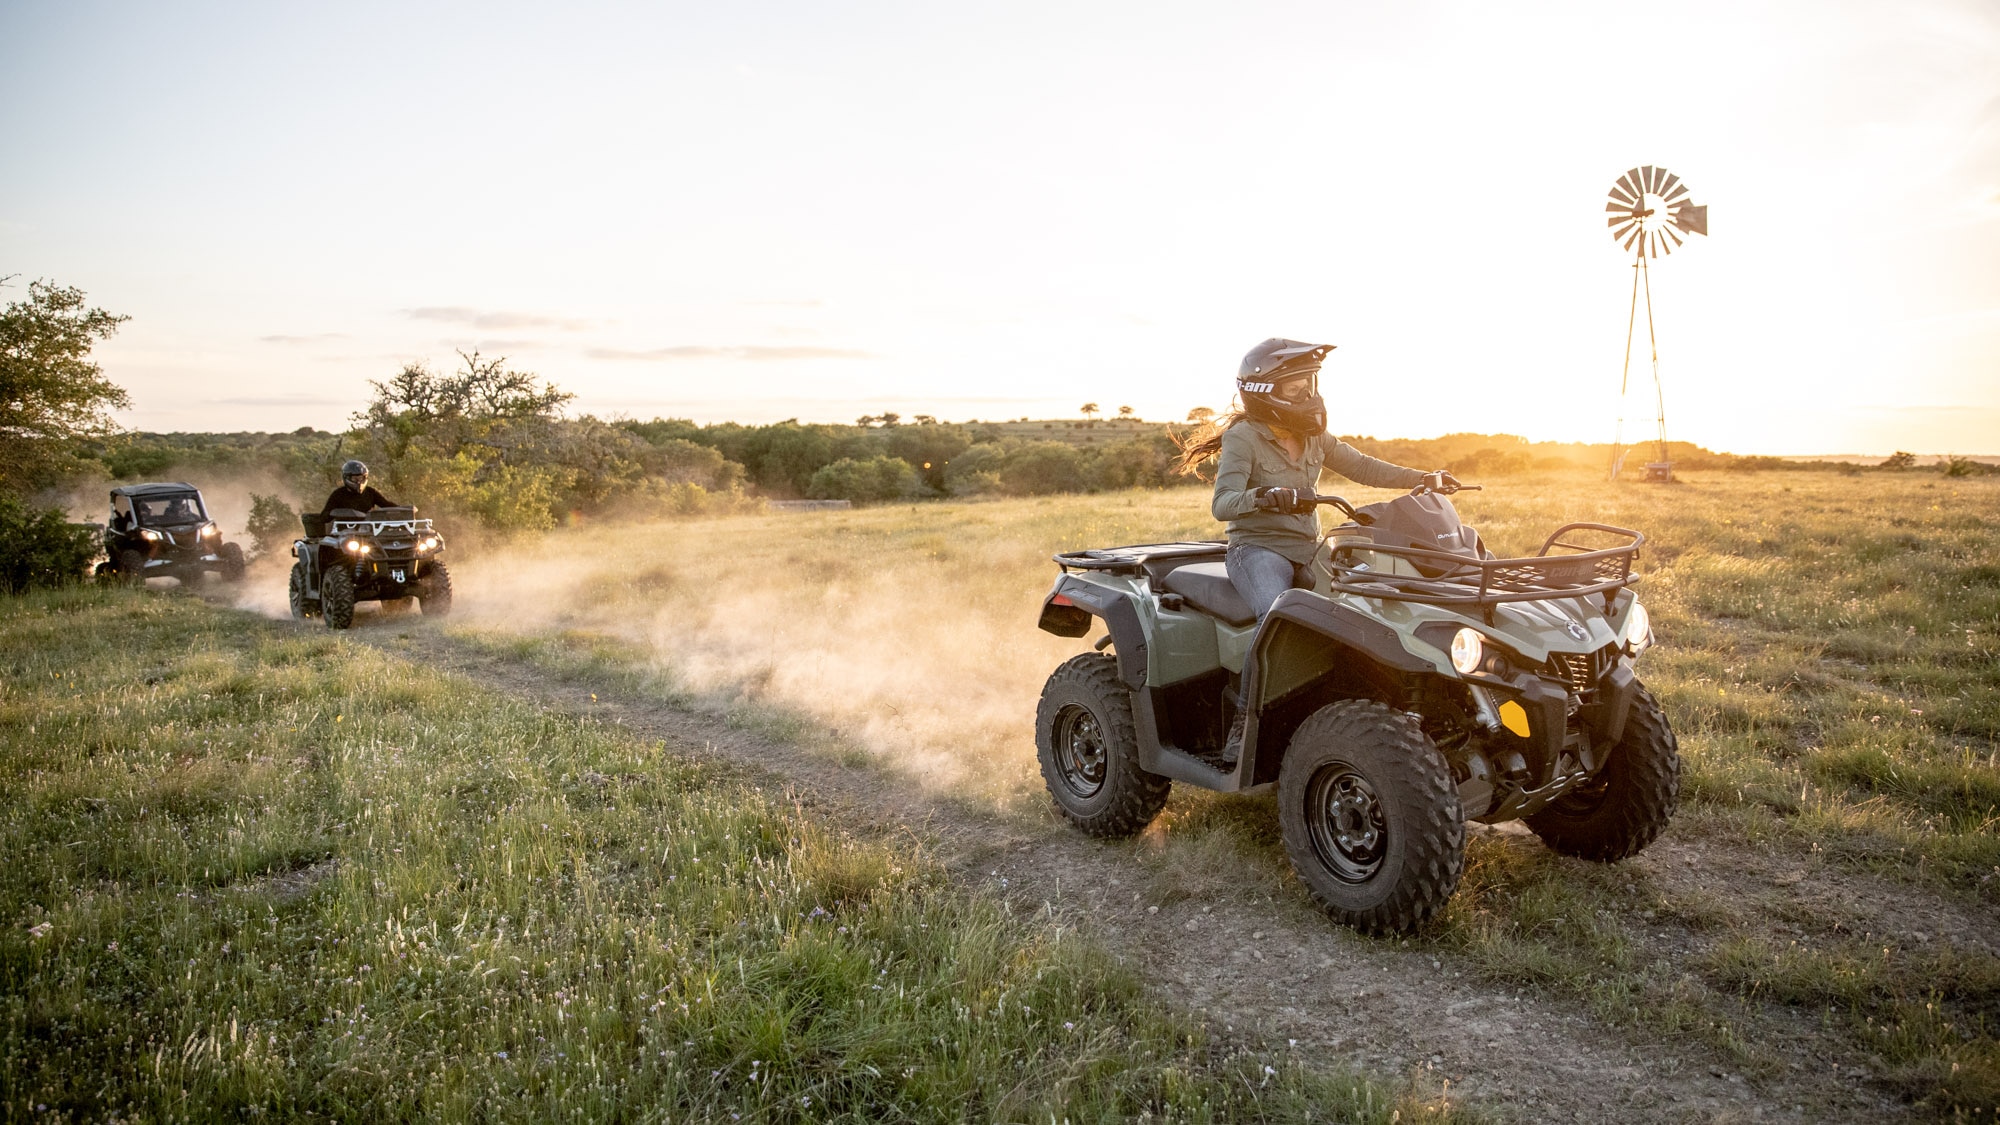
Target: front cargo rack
1460,580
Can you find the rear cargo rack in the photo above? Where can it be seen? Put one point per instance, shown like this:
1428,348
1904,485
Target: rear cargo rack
1133,559
1466,581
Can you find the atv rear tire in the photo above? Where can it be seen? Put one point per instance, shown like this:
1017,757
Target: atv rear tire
1632,798
233,565
336,596
132,566
302,606
1370,816
1089,750
434,597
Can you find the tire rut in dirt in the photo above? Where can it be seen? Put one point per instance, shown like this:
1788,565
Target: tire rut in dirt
1628,810
1088,747
1370,817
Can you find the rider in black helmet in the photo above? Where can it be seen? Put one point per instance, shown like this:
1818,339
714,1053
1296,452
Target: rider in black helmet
354,492
1269,457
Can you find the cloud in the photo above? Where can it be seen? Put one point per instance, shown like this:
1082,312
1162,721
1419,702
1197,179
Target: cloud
741,351
315,338
457,314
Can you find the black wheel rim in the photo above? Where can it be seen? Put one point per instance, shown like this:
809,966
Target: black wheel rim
1080,751
1344,818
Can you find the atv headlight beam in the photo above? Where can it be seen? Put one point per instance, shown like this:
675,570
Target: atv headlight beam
1467,649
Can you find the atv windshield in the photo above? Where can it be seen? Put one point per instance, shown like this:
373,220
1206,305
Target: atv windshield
169,511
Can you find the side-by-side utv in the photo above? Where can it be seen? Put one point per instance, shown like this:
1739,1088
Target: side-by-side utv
1419,683
162,530
387,555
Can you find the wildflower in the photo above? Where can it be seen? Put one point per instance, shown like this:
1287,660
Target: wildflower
41,930
501,1054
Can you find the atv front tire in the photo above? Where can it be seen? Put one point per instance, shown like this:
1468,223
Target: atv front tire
1370,816
1089,750
336,596
233,565
1628,804
434,597
302,606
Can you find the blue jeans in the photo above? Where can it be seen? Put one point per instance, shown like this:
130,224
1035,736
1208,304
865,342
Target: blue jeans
1259,574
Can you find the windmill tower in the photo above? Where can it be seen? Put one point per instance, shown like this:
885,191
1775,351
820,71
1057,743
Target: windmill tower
1650,212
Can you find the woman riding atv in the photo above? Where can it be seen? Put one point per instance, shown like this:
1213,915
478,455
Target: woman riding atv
1270,454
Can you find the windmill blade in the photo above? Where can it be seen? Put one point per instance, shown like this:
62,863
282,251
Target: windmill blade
1618,198
1637,233
1650,173
1670,184
1629,183
1692,219
1621,208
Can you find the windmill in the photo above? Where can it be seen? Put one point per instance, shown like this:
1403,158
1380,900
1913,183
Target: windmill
1650,212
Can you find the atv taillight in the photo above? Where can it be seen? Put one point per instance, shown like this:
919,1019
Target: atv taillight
1060,599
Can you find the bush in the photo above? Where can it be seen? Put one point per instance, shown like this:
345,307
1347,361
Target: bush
877,478
1956,466
273,524
40,547
1900,459
1042,467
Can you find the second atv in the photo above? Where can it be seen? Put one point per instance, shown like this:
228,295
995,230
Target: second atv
387,555
1419,684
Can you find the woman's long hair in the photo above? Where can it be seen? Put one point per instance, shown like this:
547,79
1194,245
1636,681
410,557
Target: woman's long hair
1203,443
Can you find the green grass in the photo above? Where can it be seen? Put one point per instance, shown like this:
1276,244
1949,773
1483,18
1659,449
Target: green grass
256,870
1830,662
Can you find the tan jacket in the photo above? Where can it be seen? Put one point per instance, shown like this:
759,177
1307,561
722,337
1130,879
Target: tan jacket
1252,459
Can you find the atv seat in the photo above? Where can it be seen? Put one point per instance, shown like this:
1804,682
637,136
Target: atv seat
1207,587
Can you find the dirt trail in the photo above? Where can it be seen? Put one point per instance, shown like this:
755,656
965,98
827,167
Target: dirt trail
1265,968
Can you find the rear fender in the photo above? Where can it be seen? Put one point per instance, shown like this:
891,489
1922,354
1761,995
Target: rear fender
1308,651
1070,605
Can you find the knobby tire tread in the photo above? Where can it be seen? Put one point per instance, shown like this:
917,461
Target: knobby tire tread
1642,791
1390,748
336,596
1136,796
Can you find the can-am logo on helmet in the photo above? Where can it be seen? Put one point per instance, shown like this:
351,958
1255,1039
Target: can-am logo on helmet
1575,631
1259,388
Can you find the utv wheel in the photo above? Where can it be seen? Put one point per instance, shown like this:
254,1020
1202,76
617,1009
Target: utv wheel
336,596
1370,816
1629,803
132,566
1089,750
302,606
434,597
233,565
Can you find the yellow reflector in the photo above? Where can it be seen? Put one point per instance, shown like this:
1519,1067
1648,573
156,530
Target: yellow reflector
1514,717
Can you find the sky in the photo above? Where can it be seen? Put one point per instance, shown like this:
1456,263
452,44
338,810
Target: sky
757,211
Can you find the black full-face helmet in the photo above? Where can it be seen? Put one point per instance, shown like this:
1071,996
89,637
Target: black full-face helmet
1273,362
354,473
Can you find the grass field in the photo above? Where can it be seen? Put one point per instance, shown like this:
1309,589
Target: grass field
1831,661
256,870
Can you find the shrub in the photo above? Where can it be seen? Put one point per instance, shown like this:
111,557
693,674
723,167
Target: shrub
273,524
877,478
1900,460
1956,466
40,547
1041,467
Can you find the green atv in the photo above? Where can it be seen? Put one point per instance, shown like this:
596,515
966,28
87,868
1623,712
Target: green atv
387,555
1418,684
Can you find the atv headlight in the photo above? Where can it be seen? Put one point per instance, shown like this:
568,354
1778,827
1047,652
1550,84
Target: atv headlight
428,543
357,547
210,531
149,535
1639,628
1467,649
